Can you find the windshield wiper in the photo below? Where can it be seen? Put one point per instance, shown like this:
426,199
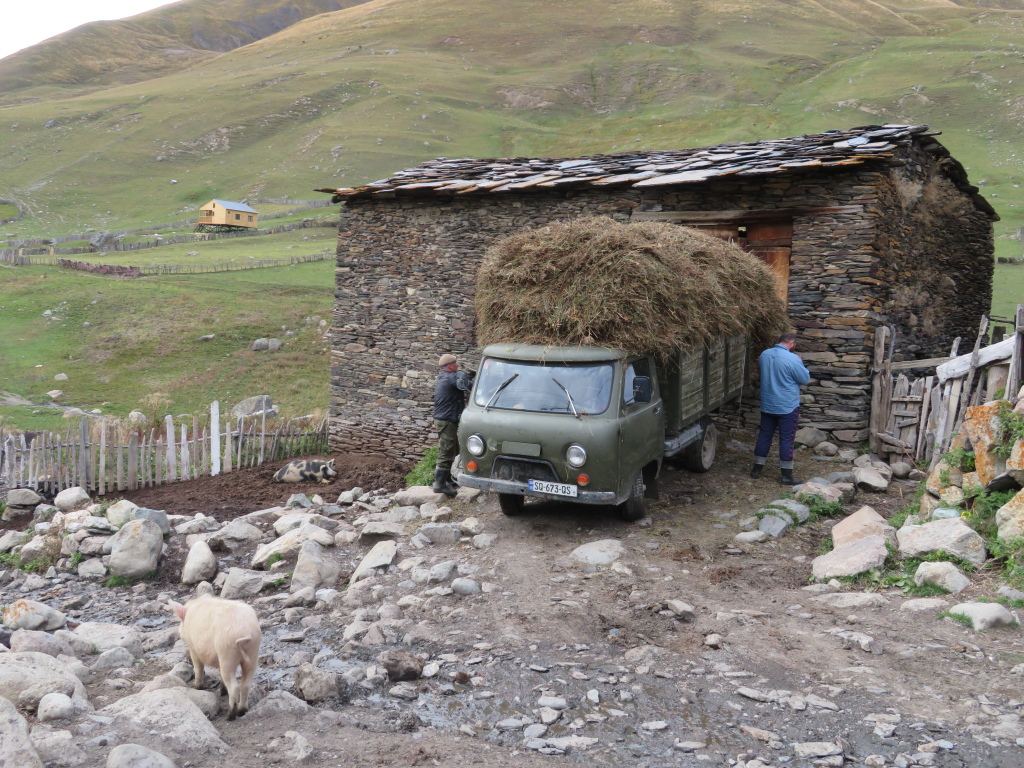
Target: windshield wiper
501,389
571,403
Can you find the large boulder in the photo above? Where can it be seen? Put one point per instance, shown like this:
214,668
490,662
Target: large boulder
315,685
870,479
11,539
135,549
381,555
862,523
983,615
26,677
810,436
253,406
40,549
121,512
71,499
29,614
23,497
241,583
169,717
235,535
200,565
417,496
943,575
16,749
40,642
288,546
981,427
1010,518
315,568
952,536
103,636
851,559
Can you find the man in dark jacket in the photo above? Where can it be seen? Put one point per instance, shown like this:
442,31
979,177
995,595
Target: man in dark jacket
782,375
449,400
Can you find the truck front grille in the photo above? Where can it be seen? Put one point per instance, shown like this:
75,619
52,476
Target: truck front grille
520,470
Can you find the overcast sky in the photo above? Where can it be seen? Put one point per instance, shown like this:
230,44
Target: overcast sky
27,22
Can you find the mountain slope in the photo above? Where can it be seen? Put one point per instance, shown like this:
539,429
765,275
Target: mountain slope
348,96
154,43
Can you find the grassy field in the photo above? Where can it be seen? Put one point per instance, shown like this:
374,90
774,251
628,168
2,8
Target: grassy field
299,242
141,338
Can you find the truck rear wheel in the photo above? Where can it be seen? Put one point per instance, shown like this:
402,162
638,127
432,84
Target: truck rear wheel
699,456
632,509
510,504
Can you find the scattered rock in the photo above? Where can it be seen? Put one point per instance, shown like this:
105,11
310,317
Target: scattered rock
952,536
136,756
944,575
604,552
135,549
200,565
851,559
29,614
71,499
982,615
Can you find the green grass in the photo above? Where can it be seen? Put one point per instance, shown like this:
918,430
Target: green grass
142,340
423,472
962,620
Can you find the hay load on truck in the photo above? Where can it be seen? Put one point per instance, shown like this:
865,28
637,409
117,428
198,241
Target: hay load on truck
607,348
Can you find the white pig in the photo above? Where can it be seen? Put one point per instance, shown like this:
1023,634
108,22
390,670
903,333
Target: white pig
223,634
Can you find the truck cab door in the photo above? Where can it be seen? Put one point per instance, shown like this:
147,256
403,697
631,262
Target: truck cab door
641,425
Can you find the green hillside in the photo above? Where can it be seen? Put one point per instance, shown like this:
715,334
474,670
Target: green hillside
352,95
164,40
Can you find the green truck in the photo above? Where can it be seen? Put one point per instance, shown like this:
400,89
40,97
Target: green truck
592,425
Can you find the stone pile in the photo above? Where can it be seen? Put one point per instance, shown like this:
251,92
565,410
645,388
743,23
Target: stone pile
92,540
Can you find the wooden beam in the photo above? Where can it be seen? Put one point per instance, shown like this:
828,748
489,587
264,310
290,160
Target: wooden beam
909,365
768,214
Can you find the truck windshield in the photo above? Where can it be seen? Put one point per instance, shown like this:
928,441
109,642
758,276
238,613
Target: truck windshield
548,387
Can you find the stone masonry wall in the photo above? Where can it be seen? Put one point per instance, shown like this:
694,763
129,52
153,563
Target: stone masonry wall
936,259
406,270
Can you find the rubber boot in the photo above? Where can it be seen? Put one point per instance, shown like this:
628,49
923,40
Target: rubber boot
439,485
788,479
451,488
755,471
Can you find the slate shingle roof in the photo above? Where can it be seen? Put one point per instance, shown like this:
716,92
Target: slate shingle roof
851,147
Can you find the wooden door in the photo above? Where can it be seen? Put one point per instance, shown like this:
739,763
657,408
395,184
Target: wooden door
773,243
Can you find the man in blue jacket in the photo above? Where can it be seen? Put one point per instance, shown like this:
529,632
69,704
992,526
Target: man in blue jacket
782,375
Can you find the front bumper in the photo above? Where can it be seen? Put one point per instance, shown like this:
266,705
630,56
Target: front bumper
522,489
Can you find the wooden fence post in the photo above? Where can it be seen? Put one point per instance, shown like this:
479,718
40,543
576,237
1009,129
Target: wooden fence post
172,450
214,438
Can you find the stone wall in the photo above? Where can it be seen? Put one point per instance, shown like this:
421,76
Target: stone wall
406,269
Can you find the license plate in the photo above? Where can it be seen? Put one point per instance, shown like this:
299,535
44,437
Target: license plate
555,489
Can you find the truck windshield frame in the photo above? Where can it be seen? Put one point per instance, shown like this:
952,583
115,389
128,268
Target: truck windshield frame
535,389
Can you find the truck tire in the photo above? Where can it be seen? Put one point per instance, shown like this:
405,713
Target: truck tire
510,504
699,456
632,509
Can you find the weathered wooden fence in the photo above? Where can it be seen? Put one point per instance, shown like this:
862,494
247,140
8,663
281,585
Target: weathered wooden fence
101,458
916,417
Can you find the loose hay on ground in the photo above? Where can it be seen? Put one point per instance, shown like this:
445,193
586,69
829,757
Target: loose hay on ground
643,287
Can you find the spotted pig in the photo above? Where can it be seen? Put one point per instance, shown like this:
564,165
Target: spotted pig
306,471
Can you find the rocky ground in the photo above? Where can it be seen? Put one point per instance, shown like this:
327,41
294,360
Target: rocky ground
672,645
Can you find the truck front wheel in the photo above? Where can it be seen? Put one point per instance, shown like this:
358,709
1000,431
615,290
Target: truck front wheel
699,456
632,509
510,504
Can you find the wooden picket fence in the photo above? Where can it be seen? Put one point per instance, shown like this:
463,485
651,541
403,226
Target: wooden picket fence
915,418
101,459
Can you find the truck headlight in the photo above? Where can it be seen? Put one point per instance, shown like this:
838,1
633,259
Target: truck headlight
576,456
475,445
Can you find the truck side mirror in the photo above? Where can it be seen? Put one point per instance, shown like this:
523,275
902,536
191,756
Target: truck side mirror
642,389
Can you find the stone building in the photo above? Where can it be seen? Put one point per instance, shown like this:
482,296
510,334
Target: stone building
870,226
